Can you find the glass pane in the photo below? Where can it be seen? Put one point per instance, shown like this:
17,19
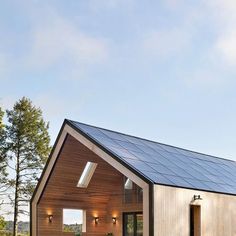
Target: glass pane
133,224
129,225
72,220
132,192
139,221
139,194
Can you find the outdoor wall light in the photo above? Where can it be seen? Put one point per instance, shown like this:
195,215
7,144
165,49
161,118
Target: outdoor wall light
96,219
197,197
50,217
114,220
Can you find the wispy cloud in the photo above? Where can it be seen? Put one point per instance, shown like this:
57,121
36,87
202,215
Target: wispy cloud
204,37
51,41
166,43
57,39
223,13
224,8
226,46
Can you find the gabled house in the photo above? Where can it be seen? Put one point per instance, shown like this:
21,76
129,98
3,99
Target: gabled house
131,186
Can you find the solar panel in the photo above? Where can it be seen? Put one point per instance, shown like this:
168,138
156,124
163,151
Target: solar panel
164,164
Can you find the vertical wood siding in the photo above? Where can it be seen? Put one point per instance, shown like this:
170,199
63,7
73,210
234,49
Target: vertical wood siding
172,212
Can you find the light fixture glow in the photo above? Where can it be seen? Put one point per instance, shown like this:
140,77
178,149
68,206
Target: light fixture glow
114,220
96,220
87,175
50,217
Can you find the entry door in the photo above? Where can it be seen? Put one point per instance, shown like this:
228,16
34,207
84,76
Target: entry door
195,220
133,224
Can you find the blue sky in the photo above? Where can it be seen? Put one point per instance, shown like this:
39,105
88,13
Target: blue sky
71,216
164,70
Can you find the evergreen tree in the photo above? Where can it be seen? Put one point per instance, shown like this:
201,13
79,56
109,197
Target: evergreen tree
3,163
27,146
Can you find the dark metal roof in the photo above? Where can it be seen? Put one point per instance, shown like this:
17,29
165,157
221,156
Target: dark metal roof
165,164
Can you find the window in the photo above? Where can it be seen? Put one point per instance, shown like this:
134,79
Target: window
128,184
133,224
74,220
195,220
128,191
132,192
87,175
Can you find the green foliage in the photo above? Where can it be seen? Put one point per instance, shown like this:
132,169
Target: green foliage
75,228
2,223
7,233
27,134
1,117
23,228
2,138
3,161
27,146
27,142
67,228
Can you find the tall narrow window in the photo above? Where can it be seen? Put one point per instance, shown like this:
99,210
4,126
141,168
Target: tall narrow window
195,220
87,175
132,192
128,190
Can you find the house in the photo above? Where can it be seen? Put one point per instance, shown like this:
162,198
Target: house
132,186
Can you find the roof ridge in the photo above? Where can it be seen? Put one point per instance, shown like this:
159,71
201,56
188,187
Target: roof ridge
137,137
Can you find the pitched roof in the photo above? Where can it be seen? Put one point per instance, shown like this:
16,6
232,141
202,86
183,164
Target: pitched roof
165,164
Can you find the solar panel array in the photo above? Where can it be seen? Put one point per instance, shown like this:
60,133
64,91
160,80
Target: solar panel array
168,165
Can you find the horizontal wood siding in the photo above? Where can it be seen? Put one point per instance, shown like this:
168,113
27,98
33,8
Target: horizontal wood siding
102,198
172,212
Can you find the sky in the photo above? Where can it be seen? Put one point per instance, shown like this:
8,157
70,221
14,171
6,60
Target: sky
71,216
163,70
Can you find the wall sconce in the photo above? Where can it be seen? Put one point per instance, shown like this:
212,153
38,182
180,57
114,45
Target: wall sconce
50,217
114,220
96,219
197,197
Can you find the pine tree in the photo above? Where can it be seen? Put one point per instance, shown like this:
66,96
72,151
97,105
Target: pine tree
28,148
3,163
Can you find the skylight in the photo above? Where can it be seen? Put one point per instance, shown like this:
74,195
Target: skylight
87,175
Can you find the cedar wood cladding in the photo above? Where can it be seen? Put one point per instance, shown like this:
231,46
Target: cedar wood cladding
104,195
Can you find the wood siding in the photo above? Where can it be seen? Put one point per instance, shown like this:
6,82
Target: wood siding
102,198
172,212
